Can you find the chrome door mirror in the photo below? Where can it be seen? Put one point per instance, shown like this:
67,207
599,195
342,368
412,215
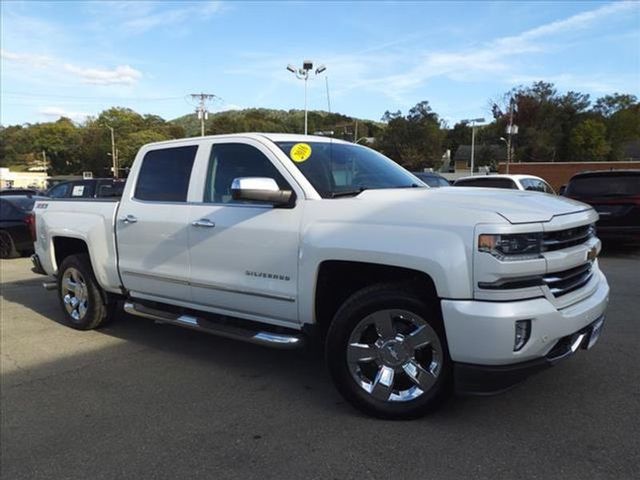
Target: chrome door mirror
260,189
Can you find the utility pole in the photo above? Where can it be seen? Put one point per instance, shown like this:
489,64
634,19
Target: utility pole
201,110
511,130
114,152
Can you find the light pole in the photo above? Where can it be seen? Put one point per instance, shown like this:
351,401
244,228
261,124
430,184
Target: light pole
473,122
303,74
506,142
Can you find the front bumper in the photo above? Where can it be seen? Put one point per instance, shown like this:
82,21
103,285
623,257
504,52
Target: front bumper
480,335
492,379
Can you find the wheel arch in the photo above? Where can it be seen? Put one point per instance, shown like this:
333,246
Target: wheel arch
337,280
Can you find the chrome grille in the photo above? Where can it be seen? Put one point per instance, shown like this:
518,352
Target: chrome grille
561,283
567,238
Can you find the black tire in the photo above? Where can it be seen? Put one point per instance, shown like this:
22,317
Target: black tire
357,309
7,246
97,309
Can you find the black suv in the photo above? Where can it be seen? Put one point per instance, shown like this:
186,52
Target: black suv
615,194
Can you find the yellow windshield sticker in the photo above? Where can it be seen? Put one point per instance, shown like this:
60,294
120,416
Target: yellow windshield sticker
300,152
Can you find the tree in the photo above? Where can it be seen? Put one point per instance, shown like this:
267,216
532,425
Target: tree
414,141
588,141
610,104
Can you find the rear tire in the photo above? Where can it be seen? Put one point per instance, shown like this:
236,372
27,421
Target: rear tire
387,353
83,302
7,247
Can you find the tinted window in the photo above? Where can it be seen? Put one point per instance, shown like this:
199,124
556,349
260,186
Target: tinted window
604,185
335,168
236,160
536,185
83,189
487,183
59,191
165,173
432,180
7,211
110,189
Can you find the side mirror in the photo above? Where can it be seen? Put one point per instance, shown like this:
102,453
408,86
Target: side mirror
260,189
562,190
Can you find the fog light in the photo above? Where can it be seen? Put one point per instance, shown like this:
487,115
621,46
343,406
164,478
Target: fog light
523,332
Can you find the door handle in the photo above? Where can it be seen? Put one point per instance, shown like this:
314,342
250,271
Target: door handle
203,222
129,219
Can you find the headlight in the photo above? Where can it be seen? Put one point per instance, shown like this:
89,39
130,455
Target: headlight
519,246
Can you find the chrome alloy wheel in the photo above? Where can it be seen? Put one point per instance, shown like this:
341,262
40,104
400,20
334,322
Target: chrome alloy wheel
394,355
74,294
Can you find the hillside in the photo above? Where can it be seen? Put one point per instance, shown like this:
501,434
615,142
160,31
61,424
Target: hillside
268,120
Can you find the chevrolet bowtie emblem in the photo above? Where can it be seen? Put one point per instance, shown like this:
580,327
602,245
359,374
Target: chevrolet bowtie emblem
592,254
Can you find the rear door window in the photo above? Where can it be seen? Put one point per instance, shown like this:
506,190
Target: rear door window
165,173
60,191
83,189
488,183
533,184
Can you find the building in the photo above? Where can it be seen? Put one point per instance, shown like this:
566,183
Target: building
9,179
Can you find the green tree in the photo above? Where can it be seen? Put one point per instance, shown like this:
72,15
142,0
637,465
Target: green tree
610,104
414,141
588,141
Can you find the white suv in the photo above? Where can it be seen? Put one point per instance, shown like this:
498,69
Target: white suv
513,182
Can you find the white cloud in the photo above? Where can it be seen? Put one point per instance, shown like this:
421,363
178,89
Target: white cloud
119,75
57,112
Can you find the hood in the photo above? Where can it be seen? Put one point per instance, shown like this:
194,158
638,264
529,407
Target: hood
516,206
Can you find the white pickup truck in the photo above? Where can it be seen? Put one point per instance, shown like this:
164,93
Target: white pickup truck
275,239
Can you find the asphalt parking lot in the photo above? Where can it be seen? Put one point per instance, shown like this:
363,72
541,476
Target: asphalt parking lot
140,400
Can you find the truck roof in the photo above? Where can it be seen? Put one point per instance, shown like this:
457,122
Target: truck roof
274,137
500,175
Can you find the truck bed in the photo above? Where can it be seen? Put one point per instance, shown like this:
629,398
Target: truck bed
89,220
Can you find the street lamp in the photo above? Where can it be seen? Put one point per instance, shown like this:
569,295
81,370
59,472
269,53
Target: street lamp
507,144
303,74
473,122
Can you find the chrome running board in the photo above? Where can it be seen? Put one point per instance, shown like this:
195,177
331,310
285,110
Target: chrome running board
50,285
259,337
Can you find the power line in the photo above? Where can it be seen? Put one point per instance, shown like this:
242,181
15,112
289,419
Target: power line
77,97
201,110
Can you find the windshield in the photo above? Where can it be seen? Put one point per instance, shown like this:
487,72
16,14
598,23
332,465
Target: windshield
604,186
338,169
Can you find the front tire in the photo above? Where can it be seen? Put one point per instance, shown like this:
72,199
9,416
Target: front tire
387,353
82,300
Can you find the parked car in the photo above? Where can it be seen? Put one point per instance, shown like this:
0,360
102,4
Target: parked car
432,179
513,182
615,194
19,191
88,188
276,238
15,224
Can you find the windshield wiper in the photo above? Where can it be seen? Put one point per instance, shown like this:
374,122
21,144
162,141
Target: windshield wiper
347,193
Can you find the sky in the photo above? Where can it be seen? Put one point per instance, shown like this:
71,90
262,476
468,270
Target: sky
77,58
